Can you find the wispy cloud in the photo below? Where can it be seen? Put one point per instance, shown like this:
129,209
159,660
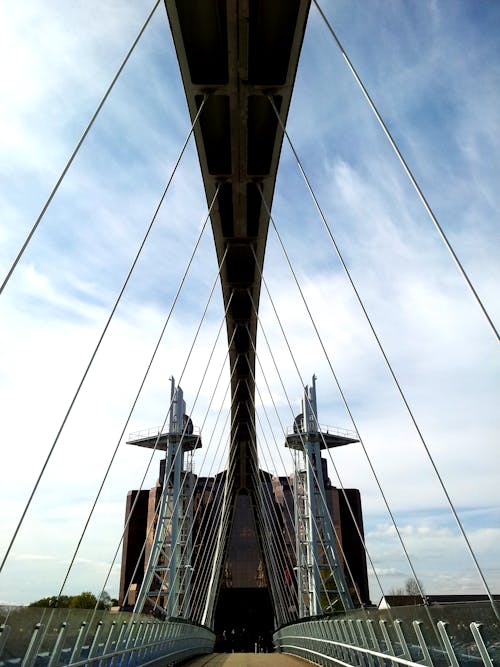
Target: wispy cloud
433,70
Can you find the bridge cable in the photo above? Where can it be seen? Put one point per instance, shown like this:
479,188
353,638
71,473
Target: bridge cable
354,519
268,506
283,429
202,510
137,396
220,545
206,536
101,337
165,421
316,480
208,509
389,366
300,435
211,560
278,449
266,510
323,499
353,421
148,532
77,147
273,505
407,169
170,469
134,403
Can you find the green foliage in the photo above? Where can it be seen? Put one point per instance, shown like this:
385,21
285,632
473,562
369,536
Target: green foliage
85,600
52,601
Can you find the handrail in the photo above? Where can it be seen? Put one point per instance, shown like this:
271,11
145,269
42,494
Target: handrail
106,644
369,637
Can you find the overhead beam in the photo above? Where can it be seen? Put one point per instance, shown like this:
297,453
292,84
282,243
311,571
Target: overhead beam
235,54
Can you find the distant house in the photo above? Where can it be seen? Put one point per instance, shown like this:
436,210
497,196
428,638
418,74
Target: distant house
389,601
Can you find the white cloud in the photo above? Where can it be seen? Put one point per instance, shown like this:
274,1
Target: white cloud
53,311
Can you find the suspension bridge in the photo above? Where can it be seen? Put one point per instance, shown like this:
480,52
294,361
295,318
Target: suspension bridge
252,556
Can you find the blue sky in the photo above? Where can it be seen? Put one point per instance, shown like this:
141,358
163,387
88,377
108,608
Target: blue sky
433,69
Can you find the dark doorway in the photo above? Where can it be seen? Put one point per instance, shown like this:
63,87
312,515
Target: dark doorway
244,620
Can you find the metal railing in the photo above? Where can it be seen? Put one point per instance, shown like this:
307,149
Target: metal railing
33,637
440,636
155,431
328,430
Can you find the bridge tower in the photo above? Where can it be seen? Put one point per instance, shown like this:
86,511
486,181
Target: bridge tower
319,569
167,576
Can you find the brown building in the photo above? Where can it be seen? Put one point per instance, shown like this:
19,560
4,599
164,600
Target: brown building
244,606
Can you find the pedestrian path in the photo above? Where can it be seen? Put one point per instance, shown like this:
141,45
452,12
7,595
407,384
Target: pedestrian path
246,660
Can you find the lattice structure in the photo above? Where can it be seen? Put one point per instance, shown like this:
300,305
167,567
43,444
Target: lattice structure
320,578
166,584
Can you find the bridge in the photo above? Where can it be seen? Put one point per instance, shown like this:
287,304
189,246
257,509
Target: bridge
238,62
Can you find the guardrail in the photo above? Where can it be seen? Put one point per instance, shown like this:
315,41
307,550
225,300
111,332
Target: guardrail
409,636
323,428
154,431
62,638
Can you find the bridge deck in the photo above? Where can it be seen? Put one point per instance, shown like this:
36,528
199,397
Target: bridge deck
246,660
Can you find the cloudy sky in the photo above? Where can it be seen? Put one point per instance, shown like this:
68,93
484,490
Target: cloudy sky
433,69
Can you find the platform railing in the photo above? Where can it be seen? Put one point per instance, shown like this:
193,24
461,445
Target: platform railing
434,636
34,637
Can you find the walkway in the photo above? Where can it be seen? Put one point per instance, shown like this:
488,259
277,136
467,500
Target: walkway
246,660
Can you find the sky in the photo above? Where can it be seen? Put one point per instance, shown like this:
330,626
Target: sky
433,70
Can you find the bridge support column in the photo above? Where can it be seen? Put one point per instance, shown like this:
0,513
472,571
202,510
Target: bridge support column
320,578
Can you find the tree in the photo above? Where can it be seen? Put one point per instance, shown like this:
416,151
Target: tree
411,586
414,586
85,600
105,601
52,601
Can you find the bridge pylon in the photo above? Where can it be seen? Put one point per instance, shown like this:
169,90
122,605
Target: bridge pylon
320,577
167,577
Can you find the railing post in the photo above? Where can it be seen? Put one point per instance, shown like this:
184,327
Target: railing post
474,627
94,647
164,639
4,634
404,646
364,642
352,656
77,648
107,644
344,653
141,654
139,637
338,650
425,651
139,643
321,635
354,640
308,644
374,639
441,626
154,638
329,636
389,648
129,644
55,654
118,659
33,646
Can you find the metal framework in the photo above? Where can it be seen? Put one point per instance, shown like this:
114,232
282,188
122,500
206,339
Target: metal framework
167,576
319,569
